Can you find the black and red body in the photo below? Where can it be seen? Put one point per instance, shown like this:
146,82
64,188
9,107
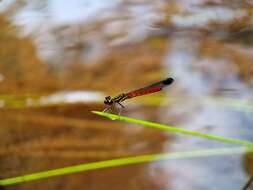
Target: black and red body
156,87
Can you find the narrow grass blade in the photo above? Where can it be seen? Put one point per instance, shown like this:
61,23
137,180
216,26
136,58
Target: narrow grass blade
248,184
237,104
234,103
121,162
174,129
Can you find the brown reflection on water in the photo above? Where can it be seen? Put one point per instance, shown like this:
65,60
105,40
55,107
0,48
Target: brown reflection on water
38,139
247,163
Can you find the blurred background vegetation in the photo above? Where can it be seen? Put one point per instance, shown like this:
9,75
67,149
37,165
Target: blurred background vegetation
59,59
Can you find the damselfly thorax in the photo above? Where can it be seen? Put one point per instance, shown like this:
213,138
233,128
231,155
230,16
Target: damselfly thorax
112,102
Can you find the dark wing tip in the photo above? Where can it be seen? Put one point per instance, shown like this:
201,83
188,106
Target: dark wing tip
168,81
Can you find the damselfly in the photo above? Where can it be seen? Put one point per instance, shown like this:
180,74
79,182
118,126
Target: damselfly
156,87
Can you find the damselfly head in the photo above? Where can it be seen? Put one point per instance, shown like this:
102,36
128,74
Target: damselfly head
108,100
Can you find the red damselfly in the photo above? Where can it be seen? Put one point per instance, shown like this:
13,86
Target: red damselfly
112,102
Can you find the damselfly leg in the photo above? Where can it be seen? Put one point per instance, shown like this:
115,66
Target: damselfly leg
114,108
107,109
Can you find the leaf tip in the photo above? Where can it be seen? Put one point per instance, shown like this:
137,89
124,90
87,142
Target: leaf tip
97,112
108,115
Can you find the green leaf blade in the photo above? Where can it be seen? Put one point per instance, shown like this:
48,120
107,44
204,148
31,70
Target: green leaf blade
121,162
175,129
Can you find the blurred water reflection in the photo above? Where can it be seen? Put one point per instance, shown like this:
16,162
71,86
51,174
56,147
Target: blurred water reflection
117,46
200,77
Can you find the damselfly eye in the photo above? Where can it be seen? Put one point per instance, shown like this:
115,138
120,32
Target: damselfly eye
108,100
107,97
